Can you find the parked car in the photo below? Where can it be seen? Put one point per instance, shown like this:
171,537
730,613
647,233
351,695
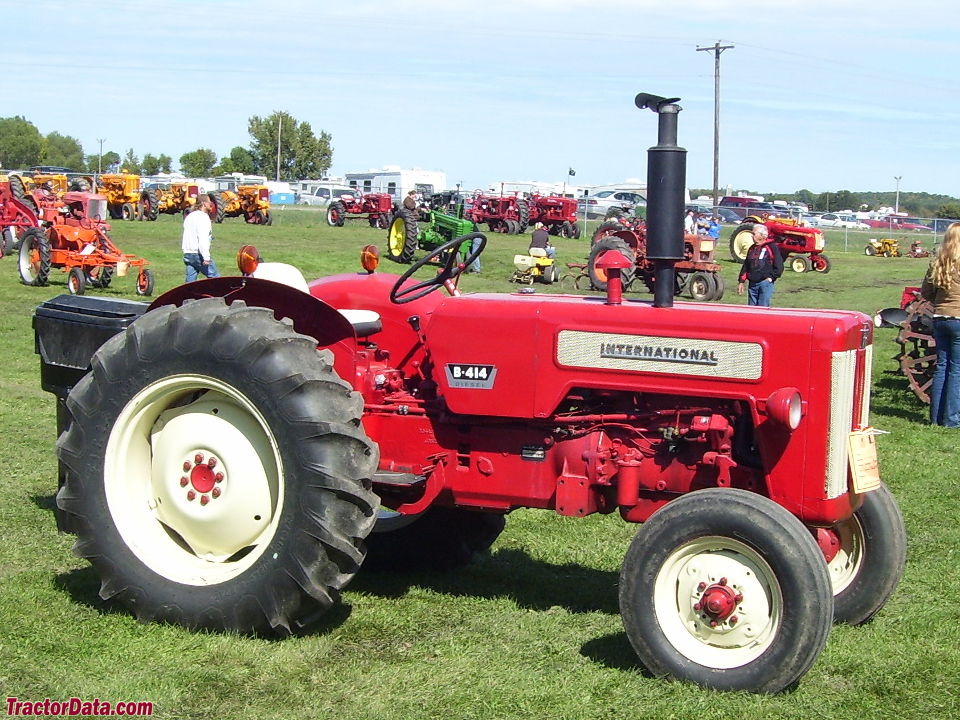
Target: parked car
600,204
322,195
898,224
835,220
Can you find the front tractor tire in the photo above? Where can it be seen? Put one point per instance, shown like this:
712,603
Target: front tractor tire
726,589
402,237
217,475
870,558
34,257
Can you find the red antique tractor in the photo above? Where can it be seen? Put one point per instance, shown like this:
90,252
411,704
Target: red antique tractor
247,445
16,215
508,214
558,214
697,274
801,246
74,237
376,208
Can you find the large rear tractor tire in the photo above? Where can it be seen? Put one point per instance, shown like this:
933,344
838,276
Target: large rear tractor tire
34,257
218,476
598,277
219,207
726,589
740,241
523,215
871,554
149,206
439,539
336,214
402,238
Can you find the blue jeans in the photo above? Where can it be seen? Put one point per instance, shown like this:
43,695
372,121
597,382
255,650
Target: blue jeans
760,293
945,389
195,266
475,265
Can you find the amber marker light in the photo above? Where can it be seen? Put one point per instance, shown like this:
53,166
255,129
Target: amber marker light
785,407
248,257
369,258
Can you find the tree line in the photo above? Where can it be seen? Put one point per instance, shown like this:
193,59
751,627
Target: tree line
917,204
280,146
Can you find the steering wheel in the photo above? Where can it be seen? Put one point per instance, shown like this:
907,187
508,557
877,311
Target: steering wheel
450,269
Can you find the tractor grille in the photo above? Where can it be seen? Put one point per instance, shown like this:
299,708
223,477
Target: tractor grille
843,385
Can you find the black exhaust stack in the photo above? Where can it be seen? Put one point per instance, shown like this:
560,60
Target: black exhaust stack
666,195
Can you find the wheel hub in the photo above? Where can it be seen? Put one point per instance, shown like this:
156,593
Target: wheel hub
201,477
718,603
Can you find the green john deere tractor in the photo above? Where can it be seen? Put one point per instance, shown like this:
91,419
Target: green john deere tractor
427,228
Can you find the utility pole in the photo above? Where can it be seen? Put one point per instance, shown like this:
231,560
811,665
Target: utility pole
717,49
279,129
100,156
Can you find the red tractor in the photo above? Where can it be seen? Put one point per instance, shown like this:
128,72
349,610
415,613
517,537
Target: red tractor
800,246
697,274
558,214
375,208
508,214
918,347
17,214
228,459
74,236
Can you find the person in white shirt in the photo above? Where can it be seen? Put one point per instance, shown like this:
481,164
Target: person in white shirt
197,235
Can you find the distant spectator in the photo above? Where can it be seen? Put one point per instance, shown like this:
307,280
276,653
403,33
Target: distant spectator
713,227
690,223
941,286
197,237
540,238
762,267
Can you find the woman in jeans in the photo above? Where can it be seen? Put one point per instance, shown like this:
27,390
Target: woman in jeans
941,286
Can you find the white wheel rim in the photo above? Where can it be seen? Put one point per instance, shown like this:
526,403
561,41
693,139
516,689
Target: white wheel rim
710,564
846,564
742,242
29,270
193,479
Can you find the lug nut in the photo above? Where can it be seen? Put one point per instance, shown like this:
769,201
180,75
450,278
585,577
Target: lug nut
198,458
186,466
733,620
204,499
183,482
212,462
218,477
191,495
215,492
697,607
723,581
701,587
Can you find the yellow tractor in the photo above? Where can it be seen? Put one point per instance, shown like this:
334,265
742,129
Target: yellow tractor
535,267
122,191
251,201
177,197
884,247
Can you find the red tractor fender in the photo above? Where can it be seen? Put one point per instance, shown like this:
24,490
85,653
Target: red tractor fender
309,315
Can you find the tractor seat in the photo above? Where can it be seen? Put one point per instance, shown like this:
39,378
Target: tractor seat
364,322
537,252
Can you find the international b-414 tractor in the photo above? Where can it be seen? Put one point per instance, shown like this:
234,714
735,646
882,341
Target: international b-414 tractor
235,451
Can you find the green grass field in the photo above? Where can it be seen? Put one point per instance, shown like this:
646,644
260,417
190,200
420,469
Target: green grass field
530,630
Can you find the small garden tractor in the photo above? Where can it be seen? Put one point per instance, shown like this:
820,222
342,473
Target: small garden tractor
508,214
697,272
245,446
427,229
535,267
558,214
123,194
376,208
884,247
801,246
917,250
75,237
250,201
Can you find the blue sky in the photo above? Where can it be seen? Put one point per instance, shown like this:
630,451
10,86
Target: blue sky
820,94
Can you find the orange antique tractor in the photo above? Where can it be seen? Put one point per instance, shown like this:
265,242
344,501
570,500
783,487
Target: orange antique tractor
75,238
801,246
251,201
123,194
